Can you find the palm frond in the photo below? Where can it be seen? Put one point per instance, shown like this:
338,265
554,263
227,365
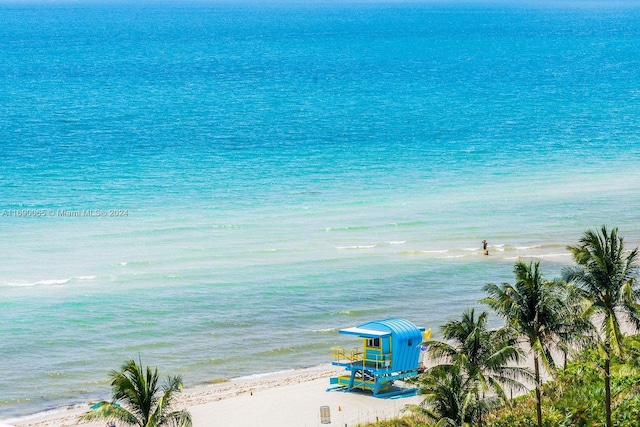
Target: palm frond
177,419
109,411
136,399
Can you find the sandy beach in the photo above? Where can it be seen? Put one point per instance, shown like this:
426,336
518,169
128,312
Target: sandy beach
286,399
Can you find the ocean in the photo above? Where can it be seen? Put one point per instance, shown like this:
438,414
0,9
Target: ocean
215,188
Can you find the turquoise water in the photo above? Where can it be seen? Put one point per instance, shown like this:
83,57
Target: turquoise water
217,189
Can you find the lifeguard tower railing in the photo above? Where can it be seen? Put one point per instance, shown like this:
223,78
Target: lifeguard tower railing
356,357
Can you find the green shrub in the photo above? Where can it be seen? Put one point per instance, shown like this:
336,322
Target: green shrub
407,421
576,397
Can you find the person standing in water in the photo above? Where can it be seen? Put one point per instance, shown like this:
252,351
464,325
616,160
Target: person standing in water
484,247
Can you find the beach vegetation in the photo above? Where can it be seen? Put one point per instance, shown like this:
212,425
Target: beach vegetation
605,276
409,420
573,398
541,312
447,397
137,399
475,365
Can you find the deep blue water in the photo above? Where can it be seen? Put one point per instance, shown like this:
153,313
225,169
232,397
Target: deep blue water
220,188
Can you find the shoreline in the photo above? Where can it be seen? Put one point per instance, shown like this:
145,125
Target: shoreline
279,399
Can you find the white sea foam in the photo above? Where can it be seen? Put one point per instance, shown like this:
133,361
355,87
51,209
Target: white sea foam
424,252
564,255
48,282
325,330
263,375
53,282
49,413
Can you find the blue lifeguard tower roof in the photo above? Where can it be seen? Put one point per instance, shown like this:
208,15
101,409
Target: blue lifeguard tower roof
405,340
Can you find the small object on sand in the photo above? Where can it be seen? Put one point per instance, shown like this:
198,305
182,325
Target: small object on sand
325,415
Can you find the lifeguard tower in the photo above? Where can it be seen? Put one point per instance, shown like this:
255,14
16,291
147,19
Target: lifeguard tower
390,351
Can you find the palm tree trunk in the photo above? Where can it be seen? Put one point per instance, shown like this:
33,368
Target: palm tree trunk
479,410
607,386
538,396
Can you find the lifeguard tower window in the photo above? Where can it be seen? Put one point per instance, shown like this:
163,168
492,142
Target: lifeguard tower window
373,342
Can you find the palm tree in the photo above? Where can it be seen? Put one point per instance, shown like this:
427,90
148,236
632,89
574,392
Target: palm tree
605,276
481,356
538,311
447,397
136,399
